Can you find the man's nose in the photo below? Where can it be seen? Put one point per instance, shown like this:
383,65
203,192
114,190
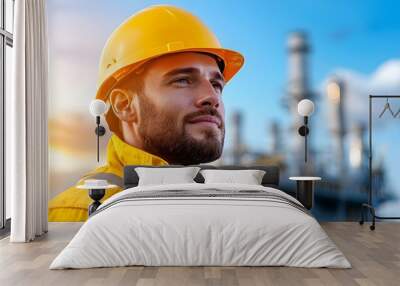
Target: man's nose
207,95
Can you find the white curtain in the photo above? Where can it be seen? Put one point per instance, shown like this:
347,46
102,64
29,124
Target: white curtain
26,123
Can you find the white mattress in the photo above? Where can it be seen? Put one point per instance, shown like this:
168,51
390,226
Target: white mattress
183,231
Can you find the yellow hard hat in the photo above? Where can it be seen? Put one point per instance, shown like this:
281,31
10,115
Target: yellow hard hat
152,32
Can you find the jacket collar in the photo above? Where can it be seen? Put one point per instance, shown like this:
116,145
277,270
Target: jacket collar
120,153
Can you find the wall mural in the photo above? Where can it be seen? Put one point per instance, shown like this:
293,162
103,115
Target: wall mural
184,84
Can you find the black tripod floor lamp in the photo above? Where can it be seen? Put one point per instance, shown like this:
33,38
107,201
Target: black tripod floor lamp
369,206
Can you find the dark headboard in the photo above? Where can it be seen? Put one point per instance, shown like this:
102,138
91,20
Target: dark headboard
270,179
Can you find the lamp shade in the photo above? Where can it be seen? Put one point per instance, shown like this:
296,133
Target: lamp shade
305,107
97,107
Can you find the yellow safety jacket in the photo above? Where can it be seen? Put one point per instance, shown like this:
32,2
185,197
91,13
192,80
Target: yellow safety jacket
73,203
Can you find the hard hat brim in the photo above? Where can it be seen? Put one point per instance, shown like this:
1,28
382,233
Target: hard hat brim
233,61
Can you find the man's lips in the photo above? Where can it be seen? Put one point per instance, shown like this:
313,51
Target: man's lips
206,118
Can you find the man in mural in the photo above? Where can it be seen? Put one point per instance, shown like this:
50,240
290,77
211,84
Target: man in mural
162,72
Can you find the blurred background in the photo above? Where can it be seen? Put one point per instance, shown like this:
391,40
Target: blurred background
335,53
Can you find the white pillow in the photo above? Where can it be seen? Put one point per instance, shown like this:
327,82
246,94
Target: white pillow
161,176
249,177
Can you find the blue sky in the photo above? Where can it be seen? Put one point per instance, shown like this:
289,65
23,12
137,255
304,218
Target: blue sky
355,36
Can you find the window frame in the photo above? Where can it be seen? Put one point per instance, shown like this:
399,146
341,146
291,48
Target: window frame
6,39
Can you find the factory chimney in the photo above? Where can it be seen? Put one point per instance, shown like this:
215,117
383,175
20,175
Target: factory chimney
298,89
335,90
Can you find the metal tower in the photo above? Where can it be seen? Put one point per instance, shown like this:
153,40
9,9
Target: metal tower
298,89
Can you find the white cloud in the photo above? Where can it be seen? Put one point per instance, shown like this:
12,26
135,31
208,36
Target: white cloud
387,77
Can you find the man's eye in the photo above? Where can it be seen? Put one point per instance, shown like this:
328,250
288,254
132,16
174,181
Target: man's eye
218,86
182,81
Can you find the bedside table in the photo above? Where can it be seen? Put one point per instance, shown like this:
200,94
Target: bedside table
305,190
97,190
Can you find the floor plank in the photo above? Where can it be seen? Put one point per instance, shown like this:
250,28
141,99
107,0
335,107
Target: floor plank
374,255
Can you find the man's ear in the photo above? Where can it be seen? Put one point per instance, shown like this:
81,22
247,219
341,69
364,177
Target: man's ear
121,103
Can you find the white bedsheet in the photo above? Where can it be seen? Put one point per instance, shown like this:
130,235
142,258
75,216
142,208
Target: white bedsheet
200,231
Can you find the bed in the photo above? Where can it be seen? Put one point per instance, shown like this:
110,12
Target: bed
201,224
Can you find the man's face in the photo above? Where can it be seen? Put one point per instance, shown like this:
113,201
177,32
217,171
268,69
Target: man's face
181,116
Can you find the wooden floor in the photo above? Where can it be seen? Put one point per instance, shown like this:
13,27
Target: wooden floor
374,255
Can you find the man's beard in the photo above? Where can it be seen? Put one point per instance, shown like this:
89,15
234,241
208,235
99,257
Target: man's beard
164,137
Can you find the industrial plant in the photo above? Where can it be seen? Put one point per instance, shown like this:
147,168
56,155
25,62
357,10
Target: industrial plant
343,168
